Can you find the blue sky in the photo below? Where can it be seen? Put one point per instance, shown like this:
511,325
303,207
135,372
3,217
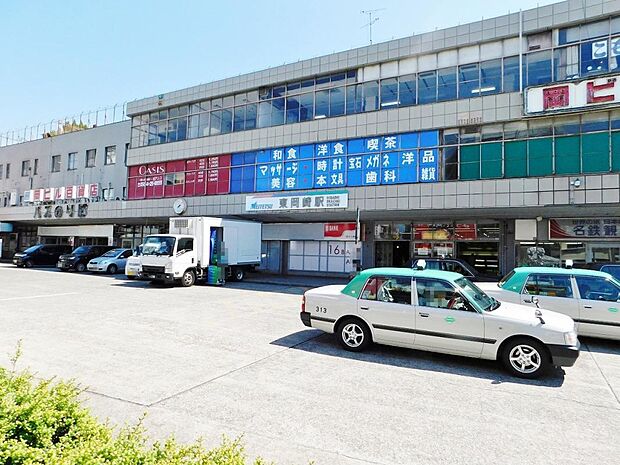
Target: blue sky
62,58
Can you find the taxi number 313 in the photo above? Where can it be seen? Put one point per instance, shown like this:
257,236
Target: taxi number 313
320,309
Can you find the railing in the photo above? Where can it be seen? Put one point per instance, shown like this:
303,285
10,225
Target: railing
56,127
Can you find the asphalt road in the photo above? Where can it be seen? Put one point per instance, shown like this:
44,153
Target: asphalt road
208,361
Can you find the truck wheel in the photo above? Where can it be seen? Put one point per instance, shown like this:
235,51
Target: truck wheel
353,335
112,269
80,268
525,358
239,274
188,279
28,263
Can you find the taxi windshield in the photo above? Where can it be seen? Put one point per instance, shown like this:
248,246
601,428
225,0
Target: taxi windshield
476,296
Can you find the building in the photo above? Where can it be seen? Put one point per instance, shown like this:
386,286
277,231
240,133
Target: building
496,141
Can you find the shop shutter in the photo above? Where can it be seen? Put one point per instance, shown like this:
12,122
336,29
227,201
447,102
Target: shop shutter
615,151
595,152
491,160
470,162
515,159
540,156
567,155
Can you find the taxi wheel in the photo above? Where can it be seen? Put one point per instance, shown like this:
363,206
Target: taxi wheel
526,358
354,335
112,269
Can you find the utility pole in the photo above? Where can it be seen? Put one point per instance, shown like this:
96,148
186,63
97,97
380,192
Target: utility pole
371,21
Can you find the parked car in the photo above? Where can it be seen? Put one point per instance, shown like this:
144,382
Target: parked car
591,298
440,311
40,255
133,267
606,267
456,265
110,262
79,258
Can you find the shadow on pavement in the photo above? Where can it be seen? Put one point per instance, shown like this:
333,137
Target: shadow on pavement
326,344
267,287
601,346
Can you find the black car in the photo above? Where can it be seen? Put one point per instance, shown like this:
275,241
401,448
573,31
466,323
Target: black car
79,258
40,255
456,265
606,267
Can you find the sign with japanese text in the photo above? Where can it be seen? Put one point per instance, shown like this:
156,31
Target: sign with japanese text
302,201
585,228
58,194
572,95
344,231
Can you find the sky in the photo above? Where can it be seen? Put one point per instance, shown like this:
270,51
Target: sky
63,58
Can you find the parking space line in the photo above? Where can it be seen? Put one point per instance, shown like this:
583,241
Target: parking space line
37,296
613,392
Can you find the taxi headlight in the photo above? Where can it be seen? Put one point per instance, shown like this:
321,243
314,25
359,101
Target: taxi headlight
570,338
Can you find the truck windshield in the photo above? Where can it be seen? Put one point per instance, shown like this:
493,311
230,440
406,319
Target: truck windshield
476,296
158,245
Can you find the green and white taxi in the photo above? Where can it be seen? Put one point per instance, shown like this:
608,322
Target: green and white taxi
440,311
591,298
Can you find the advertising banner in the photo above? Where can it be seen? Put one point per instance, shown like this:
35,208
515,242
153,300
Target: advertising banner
592,228
344,231
305,201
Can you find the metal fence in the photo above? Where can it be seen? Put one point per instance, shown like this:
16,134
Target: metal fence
56,127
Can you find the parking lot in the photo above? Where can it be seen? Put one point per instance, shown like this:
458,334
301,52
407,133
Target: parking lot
236,360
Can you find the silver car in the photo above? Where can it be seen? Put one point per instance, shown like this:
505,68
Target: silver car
110,262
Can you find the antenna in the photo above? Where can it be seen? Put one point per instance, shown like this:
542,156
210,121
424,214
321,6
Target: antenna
371,21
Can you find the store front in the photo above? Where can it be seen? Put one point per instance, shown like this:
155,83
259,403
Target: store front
583,240
476,242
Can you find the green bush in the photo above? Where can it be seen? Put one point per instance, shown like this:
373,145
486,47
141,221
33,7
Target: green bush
44,423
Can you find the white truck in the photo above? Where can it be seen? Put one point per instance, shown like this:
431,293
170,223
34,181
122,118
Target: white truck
201,248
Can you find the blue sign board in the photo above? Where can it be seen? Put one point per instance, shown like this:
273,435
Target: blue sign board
381,160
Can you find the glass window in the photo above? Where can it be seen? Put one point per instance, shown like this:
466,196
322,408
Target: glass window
25,168
470,134
203,127
568,35
91,156
250,116
336,101
226,121
321,104
228,101
264,114
593,288
277,111
451,136
407,90
492,132
292,110
110,155
293,88
389,92
154,116
395,289
566,63
540,127
371,96
490,77
446,84
153,136
511,74
549,285
614,53
161,132
200,107
436,294
306,107
427,87
594,57
354,99
216,104
451,160
241,99
322,82
216,122
592,30
71,161
566,125
239,119
538,68
469,81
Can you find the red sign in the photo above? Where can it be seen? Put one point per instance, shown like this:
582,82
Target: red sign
339,230
465,231
94,190
555,97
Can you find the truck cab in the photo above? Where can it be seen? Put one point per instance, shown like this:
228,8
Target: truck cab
169,258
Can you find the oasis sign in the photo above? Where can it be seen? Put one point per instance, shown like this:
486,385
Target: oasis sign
572,95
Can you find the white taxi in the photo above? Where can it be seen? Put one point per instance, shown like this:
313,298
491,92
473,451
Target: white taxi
440,311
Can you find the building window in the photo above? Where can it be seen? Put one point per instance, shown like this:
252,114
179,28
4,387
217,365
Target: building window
55,163
8,171
511,74
446,84
71,161
91,156
427,87
469,81
1,170
36,166
26,168
110,155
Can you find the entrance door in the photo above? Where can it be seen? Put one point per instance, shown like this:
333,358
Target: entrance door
482,256
391,253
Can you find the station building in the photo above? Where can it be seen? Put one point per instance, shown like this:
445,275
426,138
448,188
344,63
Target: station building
496,141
